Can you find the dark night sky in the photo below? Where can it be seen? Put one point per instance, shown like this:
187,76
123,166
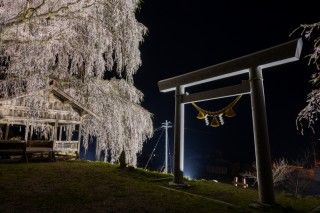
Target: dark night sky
186,35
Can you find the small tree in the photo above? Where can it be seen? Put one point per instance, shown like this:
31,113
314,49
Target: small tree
280,171
297,182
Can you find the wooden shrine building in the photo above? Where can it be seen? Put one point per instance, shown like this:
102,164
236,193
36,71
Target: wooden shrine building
58,123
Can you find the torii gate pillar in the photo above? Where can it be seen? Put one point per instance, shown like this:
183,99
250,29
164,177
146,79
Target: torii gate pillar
261,137
178,136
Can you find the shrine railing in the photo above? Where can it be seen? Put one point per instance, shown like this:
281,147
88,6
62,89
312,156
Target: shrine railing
66,146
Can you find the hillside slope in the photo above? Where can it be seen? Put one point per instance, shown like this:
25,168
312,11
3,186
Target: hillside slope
99,187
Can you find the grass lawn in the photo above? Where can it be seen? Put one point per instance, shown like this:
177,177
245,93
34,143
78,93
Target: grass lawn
99,187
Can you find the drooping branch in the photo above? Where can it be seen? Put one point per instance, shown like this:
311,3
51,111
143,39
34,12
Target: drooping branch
309,115
105,31
309,31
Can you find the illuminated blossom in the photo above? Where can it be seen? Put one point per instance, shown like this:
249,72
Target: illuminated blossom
309,115
74,42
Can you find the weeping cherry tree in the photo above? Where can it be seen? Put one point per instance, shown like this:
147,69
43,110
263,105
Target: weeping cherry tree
74,43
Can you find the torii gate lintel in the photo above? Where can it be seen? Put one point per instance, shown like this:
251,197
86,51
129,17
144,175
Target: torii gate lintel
252,64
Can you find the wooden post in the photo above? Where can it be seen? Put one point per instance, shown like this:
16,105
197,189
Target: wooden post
26,132
60,133
79,140
261,138
7,131
179,136
54,135
52,132
69,136
55,128
66,131
31,132
1,133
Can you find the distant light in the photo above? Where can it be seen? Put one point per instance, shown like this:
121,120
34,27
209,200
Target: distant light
188,177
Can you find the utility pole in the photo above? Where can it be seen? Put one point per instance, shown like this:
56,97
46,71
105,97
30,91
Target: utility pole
166,125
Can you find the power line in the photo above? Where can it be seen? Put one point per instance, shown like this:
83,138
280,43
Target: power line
157,129
154,149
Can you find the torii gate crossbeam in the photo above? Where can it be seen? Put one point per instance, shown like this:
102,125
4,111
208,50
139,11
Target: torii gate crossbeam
253,64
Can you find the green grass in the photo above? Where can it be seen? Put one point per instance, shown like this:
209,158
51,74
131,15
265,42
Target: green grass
99,187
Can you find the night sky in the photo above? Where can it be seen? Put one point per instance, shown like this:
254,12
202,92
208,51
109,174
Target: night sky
186,35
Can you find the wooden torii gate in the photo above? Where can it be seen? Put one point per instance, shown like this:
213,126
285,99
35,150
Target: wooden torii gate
253,64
